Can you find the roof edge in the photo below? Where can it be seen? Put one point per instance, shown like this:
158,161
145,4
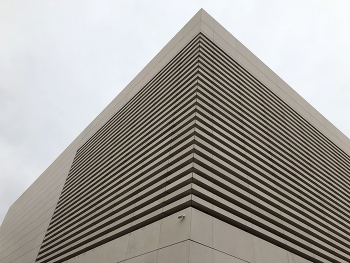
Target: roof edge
206,24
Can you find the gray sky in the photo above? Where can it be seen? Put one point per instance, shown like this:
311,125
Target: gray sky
62,62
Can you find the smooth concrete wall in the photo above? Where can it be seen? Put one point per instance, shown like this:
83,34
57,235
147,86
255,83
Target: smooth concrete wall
198,238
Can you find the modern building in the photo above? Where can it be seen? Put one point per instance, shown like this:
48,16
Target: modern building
206,156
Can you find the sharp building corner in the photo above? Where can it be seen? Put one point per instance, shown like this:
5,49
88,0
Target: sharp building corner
206,156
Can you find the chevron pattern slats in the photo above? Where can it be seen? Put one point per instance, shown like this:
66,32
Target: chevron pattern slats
204,132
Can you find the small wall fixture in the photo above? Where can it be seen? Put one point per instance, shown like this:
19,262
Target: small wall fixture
181,217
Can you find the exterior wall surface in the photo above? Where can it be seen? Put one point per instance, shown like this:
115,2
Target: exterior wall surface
11,239
199,238
206,130
22,233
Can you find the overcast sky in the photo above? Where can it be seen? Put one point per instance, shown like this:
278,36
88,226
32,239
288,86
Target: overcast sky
62,62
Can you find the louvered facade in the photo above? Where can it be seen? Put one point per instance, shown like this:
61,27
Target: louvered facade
208,133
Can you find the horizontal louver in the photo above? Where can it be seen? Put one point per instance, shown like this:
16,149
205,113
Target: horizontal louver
205,133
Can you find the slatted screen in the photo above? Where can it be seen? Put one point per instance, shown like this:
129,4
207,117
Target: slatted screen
206,133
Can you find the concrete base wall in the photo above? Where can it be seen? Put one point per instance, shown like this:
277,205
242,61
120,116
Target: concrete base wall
198,238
